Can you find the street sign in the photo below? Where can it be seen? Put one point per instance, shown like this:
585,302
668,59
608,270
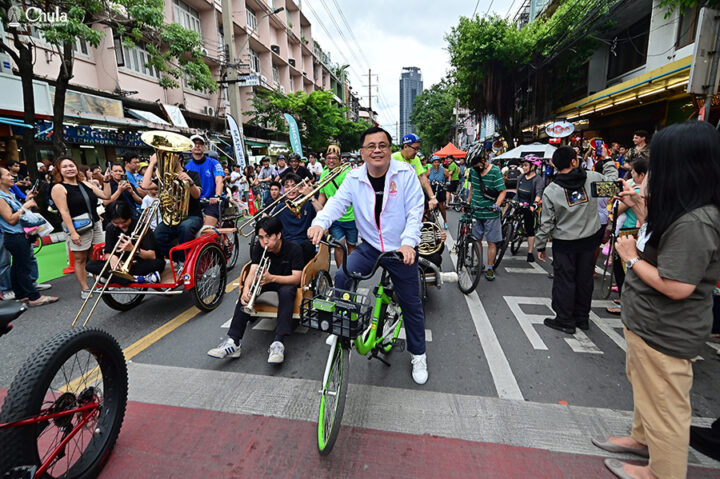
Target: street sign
560,129
700,82
248,80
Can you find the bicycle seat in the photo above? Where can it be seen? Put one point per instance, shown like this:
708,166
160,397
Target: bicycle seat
9,311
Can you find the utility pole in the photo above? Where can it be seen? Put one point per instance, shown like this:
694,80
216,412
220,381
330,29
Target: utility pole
713,76
231,60
370,90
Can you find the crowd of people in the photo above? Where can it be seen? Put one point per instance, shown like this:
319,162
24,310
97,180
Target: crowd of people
665,212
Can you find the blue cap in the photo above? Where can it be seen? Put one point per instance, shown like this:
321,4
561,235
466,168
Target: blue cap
435,157
410,138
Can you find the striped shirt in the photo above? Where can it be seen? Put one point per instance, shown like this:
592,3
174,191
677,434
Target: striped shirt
493,180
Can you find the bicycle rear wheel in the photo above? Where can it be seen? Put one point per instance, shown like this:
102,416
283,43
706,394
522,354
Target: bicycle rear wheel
332,402
507,234
469,265
77,368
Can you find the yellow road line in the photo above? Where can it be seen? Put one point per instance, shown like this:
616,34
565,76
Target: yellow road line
146,341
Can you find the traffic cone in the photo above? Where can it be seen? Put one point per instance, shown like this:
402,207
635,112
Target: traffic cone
71,261
252,208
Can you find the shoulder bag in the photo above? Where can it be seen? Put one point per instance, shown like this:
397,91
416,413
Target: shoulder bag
83,222
488,194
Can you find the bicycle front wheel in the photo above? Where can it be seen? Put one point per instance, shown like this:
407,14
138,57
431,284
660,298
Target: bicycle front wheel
73,371
518,237
469,265
507,234
332,403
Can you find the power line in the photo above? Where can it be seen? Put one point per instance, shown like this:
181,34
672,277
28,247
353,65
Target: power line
489,7
475,9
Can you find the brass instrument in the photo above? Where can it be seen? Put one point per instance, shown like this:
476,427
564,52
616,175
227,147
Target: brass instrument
174,193
431,235
125,259
255,286
297,204
251,222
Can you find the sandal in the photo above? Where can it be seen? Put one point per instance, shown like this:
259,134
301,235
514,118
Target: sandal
42,301
614,310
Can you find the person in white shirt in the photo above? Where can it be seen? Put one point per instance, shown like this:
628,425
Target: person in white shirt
314,166
388,204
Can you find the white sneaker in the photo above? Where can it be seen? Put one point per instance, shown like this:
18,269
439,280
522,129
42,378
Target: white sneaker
419,371
10,294
226,348
84,293
277,353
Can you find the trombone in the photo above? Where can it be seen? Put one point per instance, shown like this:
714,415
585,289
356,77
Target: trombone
125,259
297,204
251,222
256,285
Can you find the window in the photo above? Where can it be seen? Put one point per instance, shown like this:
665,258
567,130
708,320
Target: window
254,61
136,59
187,16
630,51
251,18
81,47
276,75
292,83
687,27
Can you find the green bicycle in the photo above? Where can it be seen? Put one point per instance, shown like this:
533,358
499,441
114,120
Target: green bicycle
352,321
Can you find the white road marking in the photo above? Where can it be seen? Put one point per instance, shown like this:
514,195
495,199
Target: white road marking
503,377
533,268
428,335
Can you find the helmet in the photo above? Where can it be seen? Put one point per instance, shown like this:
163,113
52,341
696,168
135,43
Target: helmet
475,153
293,156
410,138
532,159
211,154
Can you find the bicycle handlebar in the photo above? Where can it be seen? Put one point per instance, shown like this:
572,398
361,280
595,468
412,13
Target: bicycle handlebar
354,275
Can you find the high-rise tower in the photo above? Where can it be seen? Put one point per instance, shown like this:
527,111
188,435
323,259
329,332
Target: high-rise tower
411,85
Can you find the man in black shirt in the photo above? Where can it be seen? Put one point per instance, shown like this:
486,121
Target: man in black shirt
166,235
147,264
297,169
282,277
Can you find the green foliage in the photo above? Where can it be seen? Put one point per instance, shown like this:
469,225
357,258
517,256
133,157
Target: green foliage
319,120
682,5
433,116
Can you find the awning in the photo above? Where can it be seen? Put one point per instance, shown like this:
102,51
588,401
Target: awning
147,116
664,81
256,143
450,150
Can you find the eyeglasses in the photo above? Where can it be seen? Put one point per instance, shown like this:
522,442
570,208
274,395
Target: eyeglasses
372,147
416,148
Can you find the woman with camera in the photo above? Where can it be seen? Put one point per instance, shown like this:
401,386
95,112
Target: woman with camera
76,200
672,268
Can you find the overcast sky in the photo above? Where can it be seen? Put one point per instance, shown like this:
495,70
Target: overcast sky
392,35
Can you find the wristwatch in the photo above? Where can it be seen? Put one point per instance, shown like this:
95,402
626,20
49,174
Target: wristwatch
630,263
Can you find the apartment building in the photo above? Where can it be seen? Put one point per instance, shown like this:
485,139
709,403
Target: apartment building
115,94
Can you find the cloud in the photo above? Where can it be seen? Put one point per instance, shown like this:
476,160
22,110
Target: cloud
391,35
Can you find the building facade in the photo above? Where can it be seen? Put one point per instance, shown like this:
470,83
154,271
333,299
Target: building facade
411,85
115,90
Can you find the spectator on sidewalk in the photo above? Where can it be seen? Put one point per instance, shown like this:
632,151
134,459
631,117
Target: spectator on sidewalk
77,198
570,217
672,269
17,243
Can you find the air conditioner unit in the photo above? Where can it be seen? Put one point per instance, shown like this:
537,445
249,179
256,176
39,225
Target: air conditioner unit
263,80
209,110
282,89
291,61
204,51
275,49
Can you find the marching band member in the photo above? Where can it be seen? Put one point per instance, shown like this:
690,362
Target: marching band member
212,180
295,228
282,276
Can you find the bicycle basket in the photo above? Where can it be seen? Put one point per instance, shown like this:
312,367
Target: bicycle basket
340,312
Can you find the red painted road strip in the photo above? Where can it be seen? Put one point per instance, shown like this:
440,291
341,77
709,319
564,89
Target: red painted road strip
172,442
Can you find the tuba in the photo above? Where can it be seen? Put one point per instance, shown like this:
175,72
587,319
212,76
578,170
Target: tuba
174,193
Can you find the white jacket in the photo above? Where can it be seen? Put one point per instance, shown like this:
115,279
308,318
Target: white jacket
401,215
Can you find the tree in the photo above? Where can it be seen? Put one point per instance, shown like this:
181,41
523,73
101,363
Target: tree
173,51
682,5
433,116
319,120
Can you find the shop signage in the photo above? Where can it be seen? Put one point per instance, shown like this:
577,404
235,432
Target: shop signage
87,135
559,129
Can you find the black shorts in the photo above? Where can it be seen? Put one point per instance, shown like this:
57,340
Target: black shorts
453,186
212,210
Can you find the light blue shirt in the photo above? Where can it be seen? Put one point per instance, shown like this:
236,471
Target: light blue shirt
15,205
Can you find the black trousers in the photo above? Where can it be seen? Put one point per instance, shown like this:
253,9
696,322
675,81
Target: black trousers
573,285
286,302
139,268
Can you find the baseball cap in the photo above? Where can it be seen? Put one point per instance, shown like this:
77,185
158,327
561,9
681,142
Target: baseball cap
195,138
435,157
410,138
143,164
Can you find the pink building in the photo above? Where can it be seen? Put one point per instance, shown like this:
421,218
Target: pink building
115,95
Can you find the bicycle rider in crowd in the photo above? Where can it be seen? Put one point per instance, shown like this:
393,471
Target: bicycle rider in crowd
393,222
437,176
530,188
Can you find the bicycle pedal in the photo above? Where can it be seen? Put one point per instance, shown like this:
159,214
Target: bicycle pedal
399,345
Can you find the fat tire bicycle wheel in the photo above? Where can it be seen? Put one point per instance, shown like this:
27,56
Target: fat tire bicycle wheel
507,233
469,265
75,366
332,402
606,280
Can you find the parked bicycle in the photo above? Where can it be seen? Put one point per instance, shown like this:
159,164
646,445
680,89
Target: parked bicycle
352,320
65,407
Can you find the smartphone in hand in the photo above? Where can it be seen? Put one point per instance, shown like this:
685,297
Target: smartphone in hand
605,189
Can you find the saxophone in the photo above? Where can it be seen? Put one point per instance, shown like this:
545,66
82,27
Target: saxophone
174,193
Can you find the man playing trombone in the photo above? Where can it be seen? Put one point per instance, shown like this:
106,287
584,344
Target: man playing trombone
296,224
147,264
280,274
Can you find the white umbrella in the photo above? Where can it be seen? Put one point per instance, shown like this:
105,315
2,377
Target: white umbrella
537,149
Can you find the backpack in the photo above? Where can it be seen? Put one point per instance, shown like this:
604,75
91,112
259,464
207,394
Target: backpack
511,178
